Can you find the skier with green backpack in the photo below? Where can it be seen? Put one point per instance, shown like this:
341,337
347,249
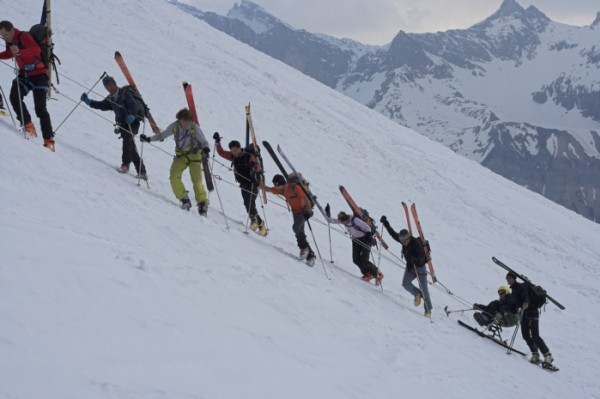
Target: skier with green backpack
190,147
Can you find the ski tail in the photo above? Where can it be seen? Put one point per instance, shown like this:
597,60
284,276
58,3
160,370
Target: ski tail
413,210
273,155
251,135
123,67
358,211
189,96
408,223
308,191
509,269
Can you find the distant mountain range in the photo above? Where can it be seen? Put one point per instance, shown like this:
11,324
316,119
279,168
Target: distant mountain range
517,92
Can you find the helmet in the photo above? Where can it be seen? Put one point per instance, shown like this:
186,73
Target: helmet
504,288
278,180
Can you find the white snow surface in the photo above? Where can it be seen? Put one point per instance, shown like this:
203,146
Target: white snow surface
109,290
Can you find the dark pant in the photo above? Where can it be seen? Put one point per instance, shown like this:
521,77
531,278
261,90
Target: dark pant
530,330
249,194
360,256
130,153
39,86
298,227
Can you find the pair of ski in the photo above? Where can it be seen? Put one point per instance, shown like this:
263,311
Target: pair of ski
424,242
187,88
544,365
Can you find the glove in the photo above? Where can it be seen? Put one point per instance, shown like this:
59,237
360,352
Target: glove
206,150
217,137
144,138
383,219
130,118
84,97
477,306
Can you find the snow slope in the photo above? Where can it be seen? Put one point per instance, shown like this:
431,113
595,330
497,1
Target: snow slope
107,289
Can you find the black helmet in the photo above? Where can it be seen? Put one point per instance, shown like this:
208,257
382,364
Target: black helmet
278,180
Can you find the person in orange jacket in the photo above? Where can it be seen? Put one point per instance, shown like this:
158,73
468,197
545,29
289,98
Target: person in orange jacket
301,210
33,76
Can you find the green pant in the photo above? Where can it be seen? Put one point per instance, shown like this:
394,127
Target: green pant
180,163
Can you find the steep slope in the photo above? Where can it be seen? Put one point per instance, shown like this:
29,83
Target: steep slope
516,71
109,290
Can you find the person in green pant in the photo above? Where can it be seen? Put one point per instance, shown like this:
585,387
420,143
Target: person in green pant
190,147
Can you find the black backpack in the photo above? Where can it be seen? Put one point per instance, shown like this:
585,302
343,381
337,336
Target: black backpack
537,295
143,109
39,32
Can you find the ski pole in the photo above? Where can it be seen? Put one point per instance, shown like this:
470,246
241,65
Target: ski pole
8,107
141,158
457,310
220,202
18,83
512,340
317,247
328,213
79,102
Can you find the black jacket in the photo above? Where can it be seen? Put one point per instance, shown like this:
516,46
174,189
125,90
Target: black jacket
507,304
414,253
124,104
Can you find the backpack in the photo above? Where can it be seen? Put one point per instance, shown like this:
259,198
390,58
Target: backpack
143,109
250,150
370,236
537,295
426,247
296,178
39,32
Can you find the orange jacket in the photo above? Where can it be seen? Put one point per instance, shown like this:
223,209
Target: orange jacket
295,196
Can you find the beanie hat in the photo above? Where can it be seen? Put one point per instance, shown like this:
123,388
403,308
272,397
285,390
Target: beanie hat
108,80
343,216
278,180
511,274
404,235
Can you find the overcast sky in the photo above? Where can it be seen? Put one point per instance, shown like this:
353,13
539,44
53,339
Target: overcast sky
378,21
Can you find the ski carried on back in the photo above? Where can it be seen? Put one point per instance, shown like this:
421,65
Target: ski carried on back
424,242
189,96
359,212
408,223
526,280
251,136
121,62
275,158
307,191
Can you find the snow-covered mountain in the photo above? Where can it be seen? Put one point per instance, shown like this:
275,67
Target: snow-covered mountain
108,289
517,92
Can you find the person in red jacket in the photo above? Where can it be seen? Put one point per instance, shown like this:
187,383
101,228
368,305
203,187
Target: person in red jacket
33,76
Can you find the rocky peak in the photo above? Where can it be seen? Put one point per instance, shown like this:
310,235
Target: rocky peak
597,20
508,7
253,15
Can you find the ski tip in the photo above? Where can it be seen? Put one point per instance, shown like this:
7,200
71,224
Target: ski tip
117,54
185,84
